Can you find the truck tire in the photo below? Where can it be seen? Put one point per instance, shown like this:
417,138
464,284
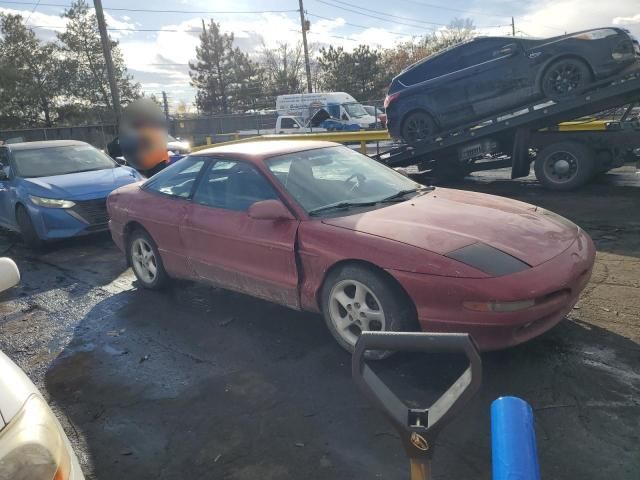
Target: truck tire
564,166
565,78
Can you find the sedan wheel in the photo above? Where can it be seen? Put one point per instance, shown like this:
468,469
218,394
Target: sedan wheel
354,308
565,78
145,260
357,298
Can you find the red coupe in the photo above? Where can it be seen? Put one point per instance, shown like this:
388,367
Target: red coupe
318,227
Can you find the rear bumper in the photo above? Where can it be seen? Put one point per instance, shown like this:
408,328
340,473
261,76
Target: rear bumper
556,286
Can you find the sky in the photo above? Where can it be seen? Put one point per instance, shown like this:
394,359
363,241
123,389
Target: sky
157,46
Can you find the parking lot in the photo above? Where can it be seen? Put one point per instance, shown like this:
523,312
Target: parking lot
197,382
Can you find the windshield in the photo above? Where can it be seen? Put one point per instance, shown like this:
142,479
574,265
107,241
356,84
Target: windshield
329,176
355,110
47,162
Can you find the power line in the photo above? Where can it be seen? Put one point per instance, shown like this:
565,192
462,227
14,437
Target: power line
355,25
456,9
378,12
364,14
32,11
362,11
149,10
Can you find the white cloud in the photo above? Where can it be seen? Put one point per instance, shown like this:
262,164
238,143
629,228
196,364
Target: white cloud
554,17
635,19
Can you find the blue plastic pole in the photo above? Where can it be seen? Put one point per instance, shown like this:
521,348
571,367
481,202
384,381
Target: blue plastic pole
513,440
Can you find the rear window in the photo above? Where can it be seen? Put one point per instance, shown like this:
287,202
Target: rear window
432,67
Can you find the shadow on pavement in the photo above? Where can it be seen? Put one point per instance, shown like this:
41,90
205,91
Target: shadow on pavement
196,382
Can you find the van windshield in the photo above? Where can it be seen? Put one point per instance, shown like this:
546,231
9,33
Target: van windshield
355,110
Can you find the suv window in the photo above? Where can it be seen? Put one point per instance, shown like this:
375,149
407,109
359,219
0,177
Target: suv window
233,186
433,67
178,179
467,55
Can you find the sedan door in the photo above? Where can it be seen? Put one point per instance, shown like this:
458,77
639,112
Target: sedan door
228,248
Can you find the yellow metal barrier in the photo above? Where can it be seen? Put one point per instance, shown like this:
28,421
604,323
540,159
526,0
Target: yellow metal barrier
366,136
362,137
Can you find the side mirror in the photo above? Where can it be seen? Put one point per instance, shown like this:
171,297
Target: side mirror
269,210
9,274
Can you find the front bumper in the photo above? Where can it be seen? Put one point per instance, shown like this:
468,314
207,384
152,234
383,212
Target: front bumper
88,216
556,284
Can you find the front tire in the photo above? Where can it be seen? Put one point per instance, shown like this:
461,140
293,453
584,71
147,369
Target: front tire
564,166
27,230
145,260
565,78
357,299
417,127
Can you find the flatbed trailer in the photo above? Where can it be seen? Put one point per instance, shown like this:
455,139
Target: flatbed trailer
566,155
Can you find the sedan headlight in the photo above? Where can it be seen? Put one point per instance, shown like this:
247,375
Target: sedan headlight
596,34
32,446
51,202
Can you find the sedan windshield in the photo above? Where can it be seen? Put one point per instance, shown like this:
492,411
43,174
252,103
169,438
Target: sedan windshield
47,162
337,178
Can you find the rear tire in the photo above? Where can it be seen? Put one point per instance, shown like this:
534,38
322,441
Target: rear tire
145,260
356,298
27,230
418,127
564,78
564,166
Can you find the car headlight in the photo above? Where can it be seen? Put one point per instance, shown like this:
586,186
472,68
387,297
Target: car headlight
488,259
596,34
32,445
51,202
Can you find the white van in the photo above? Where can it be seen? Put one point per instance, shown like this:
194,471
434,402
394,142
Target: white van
340,105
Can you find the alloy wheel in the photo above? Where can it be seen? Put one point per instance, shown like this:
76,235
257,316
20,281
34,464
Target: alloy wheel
144,260
565,78
353,309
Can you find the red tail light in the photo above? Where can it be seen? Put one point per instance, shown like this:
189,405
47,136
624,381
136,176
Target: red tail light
390,98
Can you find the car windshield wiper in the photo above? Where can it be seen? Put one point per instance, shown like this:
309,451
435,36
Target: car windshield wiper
399,196
340,205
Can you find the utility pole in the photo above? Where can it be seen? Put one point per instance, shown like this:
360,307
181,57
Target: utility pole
513,27
305,26
165,105
106,50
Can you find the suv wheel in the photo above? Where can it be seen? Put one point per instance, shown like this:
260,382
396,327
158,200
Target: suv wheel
417,127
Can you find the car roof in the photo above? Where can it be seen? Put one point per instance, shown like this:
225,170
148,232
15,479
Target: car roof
261,149
43,144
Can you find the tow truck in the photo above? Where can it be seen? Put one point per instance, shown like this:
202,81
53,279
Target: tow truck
566,153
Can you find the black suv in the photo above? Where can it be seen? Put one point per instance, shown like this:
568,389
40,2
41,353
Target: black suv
488,75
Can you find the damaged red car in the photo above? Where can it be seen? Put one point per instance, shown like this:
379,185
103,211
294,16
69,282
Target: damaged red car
319,227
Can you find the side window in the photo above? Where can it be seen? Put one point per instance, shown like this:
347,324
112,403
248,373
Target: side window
484,50
434,67
233,186
287,123
178,179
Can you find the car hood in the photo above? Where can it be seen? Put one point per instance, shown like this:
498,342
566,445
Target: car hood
82,185
445,220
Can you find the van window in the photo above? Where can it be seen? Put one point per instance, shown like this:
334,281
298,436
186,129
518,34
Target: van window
287,123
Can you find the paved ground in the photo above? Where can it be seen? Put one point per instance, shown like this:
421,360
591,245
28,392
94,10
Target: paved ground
201,383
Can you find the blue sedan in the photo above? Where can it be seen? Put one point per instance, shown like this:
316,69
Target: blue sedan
57,189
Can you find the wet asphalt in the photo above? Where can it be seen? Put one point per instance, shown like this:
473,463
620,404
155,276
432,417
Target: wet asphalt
197,382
